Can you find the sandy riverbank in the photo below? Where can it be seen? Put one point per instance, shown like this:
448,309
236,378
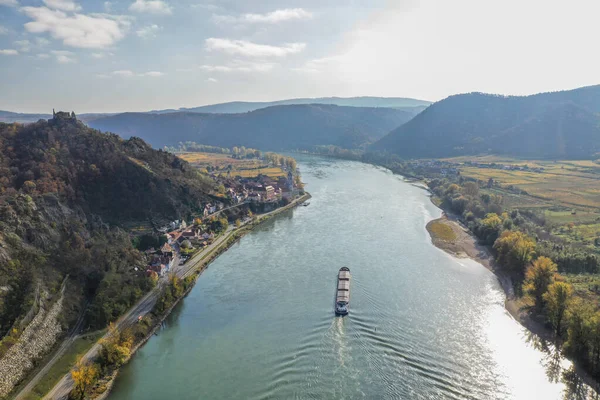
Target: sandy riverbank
464,245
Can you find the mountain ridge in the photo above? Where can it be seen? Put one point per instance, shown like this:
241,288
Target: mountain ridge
285,127
525,126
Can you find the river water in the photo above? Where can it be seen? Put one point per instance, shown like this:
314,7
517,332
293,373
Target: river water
259,323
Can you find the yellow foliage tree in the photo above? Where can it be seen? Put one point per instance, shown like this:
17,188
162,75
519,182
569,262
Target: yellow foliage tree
514,250
557,299
84,376
540,274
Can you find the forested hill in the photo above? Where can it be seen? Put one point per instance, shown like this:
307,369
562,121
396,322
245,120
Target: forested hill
271,128
547,125
64,190
234,107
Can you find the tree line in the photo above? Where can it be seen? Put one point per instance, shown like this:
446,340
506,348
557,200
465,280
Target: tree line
536,262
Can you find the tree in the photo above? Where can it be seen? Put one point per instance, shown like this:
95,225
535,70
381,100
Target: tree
115,348
84,376
557,299
514,250
582,323
470,189
538,277
238,223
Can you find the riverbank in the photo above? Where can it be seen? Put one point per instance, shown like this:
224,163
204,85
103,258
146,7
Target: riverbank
196,270
465,245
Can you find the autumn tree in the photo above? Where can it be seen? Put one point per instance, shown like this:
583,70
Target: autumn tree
84,376
538,277
582,321
470,189
115,348
557,299
514,250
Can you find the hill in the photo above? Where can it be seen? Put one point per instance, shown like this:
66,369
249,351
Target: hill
234,107
26,118
271,128
547,125
65,192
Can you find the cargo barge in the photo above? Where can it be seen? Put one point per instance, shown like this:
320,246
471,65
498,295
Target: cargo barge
342,296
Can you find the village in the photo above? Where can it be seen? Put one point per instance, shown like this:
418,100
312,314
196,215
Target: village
238,196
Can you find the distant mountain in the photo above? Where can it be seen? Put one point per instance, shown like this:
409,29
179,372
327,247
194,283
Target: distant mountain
234,107
549,125
271,128
25,118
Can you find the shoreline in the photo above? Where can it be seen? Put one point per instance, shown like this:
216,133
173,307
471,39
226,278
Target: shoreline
197,271
465,246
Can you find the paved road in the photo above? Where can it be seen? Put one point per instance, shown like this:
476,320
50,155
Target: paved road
63,387
144,306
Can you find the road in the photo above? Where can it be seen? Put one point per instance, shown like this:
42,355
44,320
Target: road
144,306
63,387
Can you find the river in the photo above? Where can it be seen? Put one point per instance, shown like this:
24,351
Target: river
259,323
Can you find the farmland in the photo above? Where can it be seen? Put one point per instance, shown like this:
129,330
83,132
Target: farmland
226,164
571,184
565,193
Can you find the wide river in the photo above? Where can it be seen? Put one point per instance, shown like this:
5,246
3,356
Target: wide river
259,323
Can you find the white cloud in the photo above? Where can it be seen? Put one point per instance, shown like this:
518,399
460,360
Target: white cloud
65,5
107,6
63,56
149,31
9,3
3,30
23,45
42,41
79,30
151,6
127,73
249,49
8,52
98,55
123,72
153,74
43,56
268,18
240,66
211,7
212,80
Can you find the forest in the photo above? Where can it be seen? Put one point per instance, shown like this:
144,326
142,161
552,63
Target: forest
558,125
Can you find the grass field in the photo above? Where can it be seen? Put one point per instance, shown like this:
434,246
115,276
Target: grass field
79,347
442,231
246,168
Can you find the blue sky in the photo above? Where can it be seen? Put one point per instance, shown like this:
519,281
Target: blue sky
138,55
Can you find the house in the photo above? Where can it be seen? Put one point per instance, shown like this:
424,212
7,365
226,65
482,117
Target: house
166,250
269,193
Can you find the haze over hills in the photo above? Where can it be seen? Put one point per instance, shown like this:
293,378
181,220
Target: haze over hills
547,125
413,106
271,128
234,107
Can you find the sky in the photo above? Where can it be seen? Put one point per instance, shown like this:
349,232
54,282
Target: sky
139,55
